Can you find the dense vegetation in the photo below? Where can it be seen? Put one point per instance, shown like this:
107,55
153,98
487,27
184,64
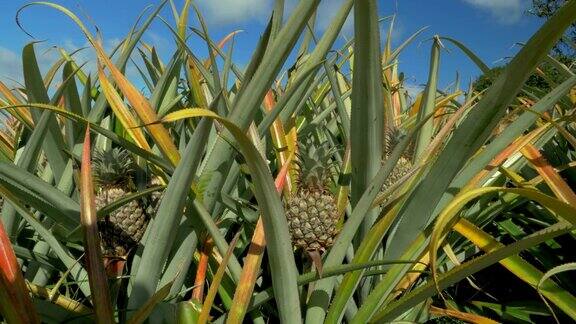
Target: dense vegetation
323,194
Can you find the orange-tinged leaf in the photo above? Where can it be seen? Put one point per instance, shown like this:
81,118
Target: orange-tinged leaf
207,306
95,267
411,277
441,105
194,83
505,154
468,317
8,94
291,141
199,281
561,129
142,107
395,109
249,275
443,134
7,143
15,303
560,188
279,139
416,105
22,114
221,44
253,260
281,178
121,111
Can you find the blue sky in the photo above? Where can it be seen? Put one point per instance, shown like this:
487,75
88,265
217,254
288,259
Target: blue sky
491,28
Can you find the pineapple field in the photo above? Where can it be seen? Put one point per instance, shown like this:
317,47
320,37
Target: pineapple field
309,185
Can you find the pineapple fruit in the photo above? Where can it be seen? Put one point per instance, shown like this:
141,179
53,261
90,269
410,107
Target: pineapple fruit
392,137
122,229
312,212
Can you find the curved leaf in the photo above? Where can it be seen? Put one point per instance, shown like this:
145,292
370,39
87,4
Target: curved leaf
96,273
282,264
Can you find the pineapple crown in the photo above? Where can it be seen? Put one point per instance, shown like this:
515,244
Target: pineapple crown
315,165
113,167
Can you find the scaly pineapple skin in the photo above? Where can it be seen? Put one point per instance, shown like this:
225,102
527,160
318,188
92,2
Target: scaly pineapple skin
402,167
155,197
124,227
312,217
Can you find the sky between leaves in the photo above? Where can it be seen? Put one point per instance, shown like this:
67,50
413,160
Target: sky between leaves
491,28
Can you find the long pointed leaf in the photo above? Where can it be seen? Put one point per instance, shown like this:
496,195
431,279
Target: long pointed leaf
96,273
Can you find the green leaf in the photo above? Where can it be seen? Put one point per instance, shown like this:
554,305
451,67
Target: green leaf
74,268
363,254
473,131
150,157
396,308
478,61
282,264
321,295
249,98
161,230
40,195
367,119
428,102
142,314
552,272
36,91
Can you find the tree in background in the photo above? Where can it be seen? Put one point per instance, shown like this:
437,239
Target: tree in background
547,8
543,79
564,51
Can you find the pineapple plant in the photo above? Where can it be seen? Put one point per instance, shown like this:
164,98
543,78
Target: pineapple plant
311,211
123,228
215,249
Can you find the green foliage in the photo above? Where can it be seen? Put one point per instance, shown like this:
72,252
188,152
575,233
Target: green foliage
112,167
314,165
485,193
543,81
546,9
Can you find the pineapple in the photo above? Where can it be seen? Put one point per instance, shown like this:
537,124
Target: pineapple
122,229
312,212
153,201
392,137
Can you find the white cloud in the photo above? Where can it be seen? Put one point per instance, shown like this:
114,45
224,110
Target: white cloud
238,11
505,11
328,9
10,65
235,11
46,55
326,12
11,62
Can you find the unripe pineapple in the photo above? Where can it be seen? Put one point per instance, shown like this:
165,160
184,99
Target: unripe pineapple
122,229
392,137
155,197
312,212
